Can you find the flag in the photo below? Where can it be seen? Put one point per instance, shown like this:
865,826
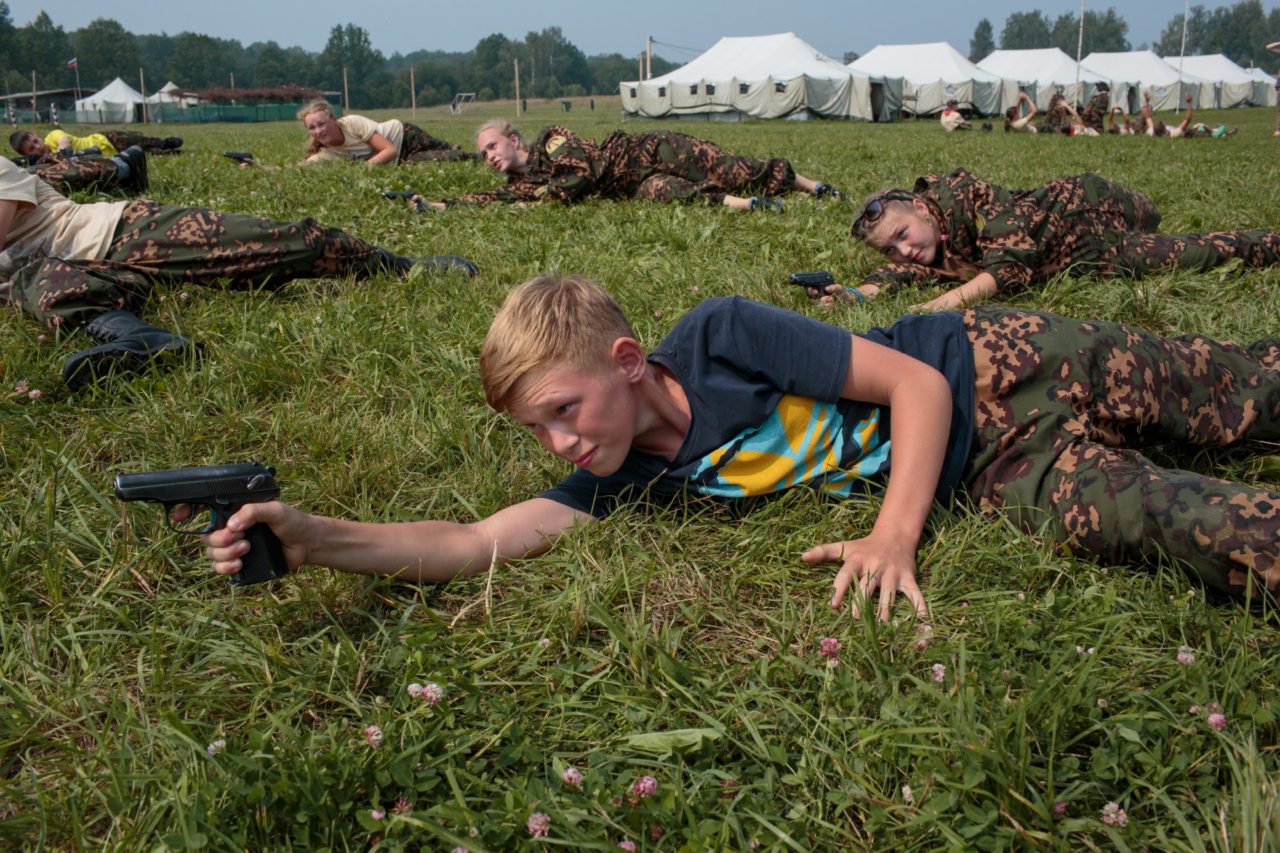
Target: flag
71,63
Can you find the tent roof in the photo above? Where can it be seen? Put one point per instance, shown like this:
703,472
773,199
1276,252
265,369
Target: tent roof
115,92
780,56
1041,65
1135,66
1213,66
920,63
1259,74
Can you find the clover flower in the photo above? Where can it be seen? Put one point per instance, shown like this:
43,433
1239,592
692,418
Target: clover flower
1217,722
939,672
1059,810
215,747
432,693
377,814
1186,655
645,786
373,736
908,796
1113,815
572,777
829,648
539,825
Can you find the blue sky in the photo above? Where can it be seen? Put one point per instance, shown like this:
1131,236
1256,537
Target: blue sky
832,26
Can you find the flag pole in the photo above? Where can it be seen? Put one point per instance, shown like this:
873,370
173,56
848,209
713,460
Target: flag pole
1080,53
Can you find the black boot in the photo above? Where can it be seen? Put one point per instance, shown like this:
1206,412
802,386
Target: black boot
134,161
172,142
129,346
383,261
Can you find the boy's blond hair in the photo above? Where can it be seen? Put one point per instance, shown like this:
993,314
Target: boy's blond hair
552,321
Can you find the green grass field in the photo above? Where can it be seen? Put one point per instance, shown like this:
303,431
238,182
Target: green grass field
144,704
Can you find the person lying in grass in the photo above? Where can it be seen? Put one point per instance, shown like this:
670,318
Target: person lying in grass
1027,413
354,137
659,165
959,228
93,265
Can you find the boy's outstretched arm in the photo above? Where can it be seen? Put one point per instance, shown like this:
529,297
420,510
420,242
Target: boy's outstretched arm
431,551
919,399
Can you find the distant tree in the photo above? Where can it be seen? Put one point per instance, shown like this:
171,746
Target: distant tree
300,67
1105,31
154,53
271,66
491,65
8,37
1197,33
349,47
554,62
104,49
851,56
43,47
982,43
198,62
1025,30
610,69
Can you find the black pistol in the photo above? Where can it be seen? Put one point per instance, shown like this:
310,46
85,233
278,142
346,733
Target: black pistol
407,195
814,283
211,495
241,157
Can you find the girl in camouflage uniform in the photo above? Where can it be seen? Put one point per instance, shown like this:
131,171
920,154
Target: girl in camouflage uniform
658,165
957,228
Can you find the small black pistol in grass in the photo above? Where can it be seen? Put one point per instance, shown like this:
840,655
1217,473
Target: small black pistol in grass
407,195
241,157
200,500
814,283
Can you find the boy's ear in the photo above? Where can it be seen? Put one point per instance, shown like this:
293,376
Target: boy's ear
629,357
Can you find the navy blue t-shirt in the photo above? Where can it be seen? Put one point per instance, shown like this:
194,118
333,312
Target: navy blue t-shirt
763,386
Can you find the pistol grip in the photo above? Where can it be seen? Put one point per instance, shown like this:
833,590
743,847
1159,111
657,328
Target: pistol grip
265,560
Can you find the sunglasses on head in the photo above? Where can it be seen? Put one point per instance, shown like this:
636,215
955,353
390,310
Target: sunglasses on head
874,209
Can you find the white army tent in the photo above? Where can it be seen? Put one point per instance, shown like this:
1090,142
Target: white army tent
116,103
1234,85
1150,75
1042,72
773,76
934,73
1264,88
169,93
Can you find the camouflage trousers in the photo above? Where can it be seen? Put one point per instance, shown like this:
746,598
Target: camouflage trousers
418,146
156,242
1142,254
122,139
668,166
1063,408
78,173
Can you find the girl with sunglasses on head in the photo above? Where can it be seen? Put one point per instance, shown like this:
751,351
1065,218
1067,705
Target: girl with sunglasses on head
990,240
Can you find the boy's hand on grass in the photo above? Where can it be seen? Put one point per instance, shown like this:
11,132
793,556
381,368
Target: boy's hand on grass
227,546
886,565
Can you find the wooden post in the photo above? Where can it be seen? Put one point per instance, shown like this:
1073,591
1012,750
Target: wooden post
517,63
648,58
413,92
142,82
346,94
35,117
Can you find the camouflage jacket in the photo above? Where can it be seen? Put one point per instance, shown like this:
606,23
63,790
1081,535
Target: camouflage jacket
660,165
1021,236
1095,112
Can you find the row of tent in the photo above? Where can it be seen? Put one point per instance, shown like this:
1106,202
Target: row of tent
118,103
783,76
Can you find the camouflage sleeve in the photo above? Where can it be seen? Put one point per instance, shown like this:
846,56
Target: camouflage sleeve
892,276
1008,251
572,176
515,191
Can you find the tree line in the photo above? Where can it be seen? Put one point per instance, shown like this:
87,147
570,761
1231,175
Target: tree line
1241,32
550,65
